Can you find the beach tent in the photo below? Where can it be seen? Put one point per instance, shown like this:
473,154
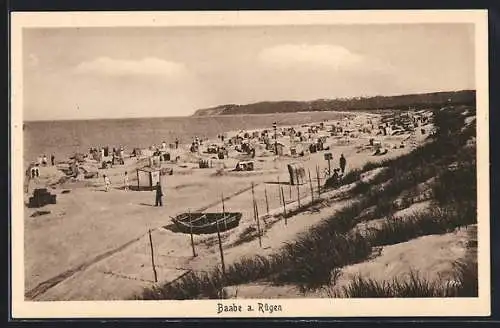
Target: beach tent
148,177
279,145
137,152
33,171
235,140
244,166
96,155
154,161
74,169
145,152
79,157
212,149
164,156
280,148
297,173
205,163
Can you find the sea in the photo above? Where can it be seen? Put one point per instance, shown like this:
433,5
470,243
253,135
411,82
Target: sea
65,138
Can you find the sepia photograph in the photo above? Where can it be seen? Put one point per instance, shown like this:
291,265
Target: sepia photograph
242,164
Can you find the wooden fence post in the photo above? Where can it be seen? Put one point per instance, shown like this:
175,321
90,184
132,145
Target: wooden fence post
298,195
223,207
319,183
267,201
279,189
224,211
256,216
311,185
152,256
284,204
220,249
253,201
191,232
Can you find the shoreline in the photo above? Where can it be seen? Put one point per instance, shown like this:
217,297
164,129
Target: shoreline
360,111
60,157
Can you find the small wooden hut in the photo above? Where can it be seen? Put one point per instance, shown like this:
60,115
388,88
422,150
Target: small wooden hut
148,177
297,173
280,148
155,161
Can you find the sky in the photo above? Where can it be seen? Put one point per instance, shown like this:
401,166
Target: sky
92,73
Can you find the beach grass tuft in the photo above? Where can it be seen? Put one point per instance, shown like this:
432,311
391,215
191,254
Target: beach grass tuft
309,261
464,283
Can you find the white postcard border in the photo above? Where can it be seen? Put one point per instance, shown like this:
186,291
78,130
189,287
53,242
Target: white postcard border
208,308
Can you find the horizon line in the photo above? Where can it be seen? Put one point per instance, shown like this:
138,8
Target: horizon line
246,104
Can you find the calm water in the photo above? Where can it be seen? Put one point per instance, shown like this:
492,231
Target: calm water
64,138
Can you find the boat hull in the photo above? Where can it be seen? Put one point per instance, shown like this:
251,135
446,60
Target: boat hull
206,223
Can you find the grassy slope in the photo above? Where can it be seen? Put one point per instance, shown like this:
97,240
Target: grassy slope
312,259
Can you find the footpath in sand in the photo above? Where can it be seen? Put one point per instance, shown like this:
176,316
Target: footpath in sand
94,245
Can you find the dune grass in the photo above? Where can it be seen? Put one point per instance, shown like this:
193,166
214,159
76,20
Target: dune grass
310,260
191,286
438,220
463,284
210,284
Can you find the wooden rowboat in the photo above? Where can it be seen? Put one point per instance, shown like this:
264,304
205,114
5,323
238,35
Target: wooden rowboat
206,223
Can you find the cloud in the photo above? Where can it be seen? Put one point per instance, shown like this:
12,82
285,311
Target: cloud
312,56
106,66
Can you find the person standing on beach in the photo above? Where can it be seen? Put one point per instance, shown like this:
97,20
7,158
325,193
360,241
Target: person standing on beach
52,159
107,182
125,181
159,195
176,143
342,162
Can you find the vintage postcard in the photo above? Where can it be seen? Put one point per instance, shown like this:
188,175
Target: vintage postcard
250,164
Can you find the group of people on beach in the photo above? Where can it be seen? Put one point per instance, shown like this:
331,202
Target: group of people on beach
221,137
107,182
33,170
164,147
118,154
195,145
126,187
43,161
339,172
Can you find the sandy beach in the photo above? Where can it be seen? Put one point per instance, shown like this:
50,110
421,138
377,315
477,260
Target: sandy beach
100,239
